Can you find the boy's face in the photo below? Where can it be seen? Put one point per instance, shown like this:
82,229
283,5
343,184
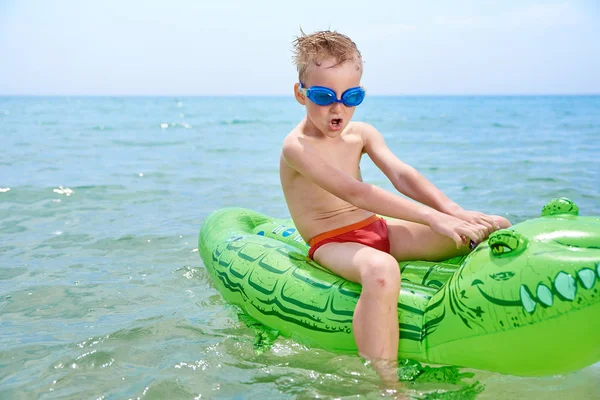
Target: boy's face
332,119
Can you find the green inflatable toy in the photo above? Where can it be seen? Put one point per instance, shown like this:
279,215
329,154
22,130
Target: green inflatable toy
524,302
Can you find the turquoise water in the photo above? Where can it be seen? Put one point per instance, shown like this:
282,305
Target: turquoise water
102,291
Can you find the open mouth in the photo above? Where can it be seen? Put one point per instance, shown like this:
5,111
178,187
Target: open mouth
335,124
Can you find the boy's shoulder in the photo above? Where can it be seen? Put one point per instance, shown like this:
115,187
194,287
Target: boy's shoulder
362,127
364,130
292,138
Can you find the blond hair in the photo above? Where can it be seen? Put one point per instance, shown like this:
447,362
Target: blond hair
311,50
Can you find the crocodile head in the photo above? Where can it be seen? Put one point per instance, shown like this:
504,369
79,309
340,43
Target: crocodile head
549,265
539,280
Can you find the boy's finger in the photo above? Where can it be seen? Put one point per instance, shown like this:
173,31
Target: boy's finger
485,229
489,225
474,233
464,241
481,234
460,240
469,233
492,223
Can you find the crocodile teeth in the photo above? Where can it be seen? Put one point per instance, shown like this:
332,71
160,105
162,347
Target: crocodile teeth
587,277
544,294
528,303
565,285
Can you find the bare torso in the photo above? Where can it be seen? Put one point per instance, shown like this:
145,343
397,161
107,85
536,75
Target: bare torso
313,209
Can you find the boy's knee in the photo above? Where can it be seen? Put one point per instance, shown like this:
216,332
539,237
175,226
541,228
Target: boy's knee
381,274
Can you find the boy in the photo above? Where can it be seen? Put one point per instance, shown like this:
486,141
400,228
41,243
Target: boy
336,213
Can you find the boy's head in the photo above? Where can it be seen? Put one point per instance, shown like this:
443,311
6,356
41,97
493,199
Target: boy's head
310,51
329,70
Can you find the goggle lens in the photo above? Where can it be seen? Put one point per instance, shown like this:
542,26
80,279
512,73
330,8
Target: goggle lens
353,97
323,96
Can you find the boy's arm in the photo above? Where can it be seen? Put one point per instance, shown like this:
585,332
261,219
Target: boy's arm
409,181
302,157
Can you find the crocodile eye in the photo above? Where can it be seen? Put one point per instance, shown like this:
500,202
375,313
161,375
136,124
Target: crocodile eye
506,242
500,248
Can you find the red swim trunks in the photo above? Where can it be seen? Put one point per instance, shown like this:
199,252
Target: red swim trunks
371,232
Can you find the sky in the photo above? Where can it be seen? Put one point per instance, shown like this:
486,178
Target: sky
243,47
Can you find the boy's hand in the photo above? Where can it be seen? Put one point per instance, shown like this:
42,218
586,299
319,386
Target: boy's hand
458,230
479,219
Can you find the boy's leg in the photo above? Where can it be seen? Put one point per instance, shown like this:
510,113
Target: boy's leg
375,321
413,241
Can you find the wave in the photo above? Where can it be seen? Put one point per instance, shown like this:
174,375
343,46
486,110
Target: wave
103,128
130,143
504,126
238,121
175,125
544,180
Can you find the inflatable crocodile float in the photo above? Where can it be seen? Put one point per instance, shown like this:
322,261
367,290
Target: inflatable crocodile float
524,302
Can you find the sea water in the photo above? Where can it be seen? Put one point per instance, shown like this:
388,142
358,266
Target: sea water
102,291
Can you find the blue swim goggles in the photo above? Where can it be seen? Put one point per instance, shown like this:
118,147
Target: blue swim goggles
323,96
